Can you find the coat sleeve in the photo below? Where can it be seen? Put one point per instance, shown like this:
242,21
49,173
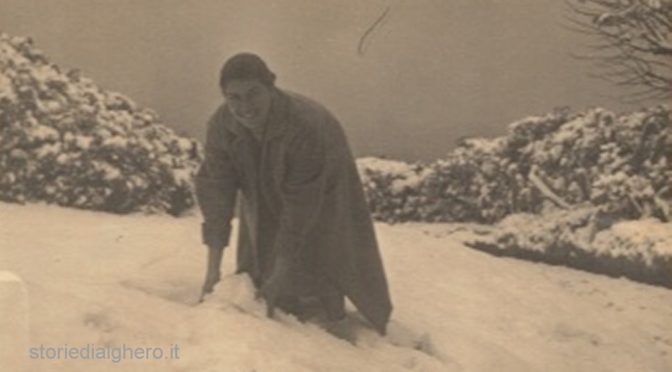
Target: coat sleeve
216,187
302,192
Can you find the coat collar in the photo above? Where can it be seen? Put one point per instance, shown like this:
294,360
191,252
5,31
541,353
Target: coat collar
277,118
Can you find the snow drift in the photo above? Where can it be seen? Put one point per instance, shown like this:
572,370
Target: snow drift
104,279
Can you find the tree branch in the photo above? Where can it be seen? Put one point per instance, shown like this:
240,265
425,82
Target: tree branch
634,42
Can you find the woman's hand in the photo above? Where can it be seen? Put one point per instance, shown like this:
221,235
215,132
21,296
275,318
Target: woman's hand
212,274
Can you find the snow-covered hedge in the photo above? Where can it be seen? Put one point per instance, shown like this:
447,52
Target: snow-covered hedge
64,140
620,163
638,249
392,188
584,190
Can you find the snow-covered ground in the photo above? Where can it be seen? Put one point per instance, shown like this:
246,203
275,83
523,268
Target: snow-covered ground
114,281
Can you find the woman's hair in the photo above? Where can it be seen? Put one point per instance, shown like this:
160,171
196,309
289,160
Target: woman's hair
245,66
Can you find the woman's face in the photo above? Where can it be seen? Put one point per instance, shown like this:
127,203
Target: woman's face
249,101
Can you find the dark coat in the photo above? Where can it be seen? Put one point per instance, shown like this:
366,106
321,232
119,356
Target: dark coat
300,196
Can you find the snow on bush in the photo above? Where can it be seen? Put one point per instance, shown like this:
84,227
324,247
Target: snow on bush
558,184
620,163
392,188
64,140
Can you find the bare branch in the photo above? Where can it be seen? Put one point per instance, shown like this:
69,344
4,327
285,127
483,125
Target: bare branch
633,45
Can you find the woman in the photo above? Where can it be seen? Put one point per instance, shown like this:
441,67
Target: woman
305,229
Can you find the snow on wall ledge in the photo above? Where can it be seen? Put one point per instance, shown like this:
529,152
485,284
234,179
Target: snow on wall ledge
13,322
640,250
64,140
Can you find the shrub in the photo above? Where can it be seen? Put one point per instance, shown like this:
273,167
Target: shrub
64,140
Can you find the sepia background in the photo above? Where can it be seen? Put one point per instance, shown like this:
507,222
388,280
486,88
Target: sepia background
432,72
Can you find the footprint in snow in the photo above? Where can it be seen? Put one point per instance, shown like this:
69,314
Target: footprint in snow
173,291
414,348
99,320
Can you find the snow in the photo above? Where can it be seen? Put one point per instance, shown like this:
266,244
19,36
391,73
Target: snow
182,176
6,88
410,181
83,142
184,144
109,280
8,52
109,171
6,276
647,238
14,320
49,149
404,176
43,133
485,145
47,73
115,141
384,165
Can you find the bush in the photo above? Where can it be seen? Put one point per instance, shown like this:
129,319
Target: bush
620,164
590,191
64,140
